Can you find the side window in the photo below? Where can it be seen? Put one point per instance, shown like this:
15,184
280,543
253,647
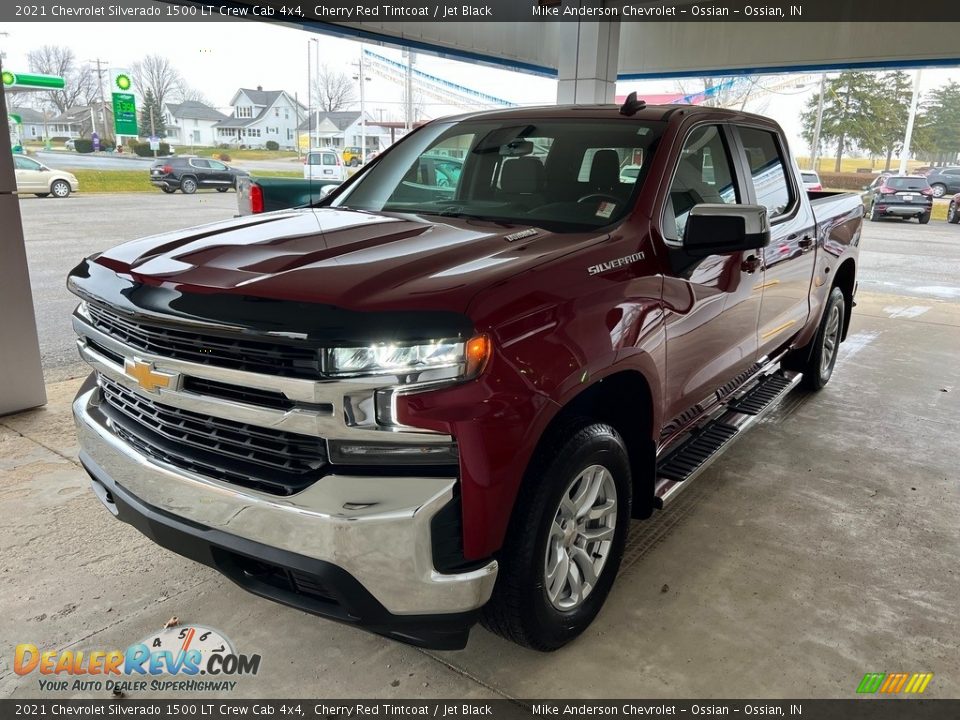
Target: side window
200,163
704,174
768,170
216,165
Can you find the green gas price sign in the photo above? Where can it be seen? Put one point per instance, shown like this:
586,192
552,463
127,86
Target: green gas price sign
124,114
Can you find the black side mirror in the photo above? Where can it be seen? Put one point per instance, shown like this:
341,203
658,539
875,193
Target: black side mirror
717,229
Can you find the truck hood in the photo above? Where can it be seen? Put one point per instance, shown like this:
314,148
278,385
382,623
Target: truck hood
351,259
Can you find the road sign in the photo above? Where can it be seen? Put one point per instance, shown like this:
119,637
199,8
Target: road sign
96,142
32,80
124,114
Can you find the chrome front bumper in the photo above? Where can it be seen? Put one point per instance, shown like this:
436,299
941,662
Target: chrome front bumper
377,529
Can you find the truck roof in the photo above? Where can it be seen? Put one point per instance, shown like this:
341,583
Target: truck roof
602,111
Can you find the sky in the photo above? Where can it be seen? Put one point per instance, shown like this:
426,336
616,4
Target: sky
217,58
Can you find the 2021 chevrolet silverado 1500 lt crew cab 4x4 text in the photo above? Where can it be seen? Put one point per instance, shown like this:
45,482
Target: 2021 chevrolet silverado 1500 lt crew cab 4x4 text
416,405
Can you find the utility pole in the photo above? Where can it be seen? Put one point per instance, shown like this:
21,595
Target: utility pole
309,100
363,110
153,130
103,116
296,102
911,118
815,151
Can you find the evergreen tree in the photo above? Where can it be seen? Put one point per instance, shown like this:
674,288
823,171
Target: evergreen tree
157,125
939,126
850,106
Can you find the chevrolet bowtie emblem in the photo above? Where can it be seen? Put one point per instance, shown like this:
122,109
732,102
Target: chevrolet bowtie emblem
147,378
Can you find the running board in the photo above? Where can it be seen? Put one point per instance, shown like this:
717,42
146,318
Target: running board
705,444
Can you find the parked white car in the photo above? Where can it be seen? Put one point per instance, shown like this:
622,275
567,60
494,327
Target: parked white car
324,164
35,177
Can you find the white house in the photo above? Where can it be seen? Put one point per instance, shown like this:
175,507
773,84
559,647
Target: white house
342,129
259,116
191,123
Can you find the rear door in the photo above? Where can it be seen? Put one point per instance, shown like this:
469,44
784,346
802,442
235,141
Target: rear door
200,168
220,174
788,260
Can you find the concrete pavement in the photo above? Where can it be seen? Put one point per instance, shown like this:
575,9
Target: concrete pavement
820,547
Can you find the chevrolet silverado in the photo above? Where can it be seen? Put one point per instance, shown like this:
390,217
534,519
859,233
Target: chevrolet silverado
414,406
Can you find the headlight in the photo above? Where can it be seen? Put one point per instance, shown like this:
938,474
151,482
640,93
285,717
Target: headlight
436,360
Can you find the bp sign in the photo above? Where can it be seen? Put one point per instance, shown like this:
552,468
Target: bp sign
32,80
124,114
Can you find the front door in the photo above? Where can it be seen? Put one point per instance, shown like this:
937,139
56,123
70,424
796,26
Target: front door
712,305
31,175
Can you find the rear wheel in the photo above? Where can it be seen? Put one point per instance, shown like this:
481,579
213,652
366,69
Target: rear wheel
565,541
924,219
188,185
60,188
818,368
953,215
939,189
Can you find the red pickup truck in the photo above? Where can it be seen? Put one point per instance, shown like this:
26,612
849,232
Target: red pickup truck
420,404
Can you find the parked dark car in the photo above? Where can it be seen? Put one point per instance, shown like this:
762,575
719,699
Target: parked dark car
953,212
189,174
902,196
944,180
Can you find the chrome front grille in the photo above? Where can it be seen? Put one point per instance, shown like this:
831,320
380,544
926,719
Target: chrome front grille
197,346
269,460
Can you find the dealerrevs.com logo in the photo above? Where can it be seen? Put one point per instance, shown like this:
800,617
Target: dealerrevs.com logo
894,683
185,658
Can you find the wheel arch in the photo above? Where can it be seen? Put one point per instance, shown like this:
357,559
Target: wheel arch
846,279
624,400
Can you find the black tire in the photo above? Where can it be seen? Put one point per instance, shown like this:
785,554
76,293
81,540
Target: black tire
520,608
222,189
354,162
60,188
924,219
873,212
188,185
168,190
939,189
818,370
953,215
42,194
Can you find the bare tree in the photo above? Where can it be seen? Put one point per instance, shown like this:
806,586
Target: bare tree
184,92
333,89
725,92
156,74
57,60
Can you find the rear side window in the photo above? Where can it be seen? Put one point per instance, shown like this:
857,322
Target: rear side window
200,163
907,183
767,170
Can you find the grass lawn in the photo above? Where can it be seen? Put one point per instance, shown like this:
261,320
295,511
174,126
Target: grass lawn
106,181
849,165
237,154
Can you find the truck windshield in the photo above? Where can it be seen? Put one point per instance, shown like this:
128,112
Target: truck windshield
562,174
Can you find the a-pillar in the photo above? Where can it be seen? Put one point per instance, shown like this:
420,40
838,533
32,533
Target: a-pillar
588,62
21,375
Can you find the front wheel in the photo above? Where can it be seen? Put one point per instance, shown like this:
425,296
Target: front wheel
939,190
60,188
565,541
953,215
826,344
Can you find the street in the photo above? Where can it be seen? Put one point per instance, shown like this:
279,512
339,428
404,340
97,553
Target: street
76,161
901,258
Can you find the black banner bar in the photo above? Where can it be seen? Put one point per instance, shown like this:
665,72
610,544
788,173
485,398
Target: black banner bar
873,708
355,11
